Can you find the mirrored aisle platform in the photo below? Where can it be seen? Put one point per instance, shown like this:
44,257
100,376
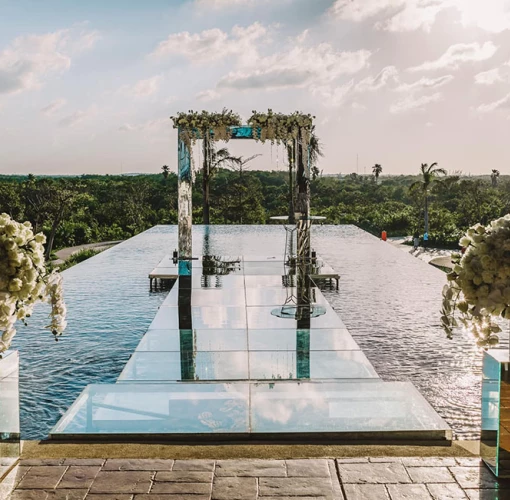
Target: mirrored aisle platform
244,360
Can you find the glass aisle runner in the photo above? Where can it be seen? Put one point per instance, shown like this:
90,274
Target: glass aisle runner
231,367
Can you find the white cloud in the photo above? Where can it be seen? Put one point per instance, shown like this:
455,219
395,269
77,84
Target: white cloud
143,88
503,103
495,75
409,15
208,95
492,16
161,124
414,15
53,107
334,95
213,44
459,53
297,67
390,15
412,101
425,84
29,60
356,106
377,82
74,118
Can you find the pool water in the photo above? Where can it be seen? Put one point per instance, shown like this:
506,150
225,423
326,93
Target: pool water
388,300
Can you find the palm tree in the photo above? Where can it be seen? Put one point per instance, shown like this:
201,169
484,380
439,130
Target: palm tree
315,151
165,172
430,174
494,177
377,170
213,160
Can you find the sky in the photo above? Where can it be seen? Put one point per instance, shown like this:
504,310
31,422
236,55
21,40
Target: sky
89,86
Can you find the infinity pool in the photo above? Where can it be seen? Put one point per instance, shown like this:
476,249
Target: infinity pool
388,300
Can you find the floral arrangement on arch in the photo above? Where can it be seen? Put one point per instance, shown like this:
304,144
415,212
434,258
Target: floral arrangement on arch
479,284
195,125
25,281
279,127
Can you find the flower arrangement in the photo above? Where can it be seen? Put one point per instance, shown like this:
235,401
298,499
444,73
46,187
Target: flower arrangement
195,125
24,280
281,128
479,285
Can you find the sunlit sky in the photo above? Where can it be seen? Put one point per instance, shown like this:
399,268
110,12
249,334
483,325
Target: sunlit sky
88,86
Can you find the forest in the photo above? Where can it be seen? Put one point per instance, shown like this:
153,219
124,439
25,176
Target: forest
90,208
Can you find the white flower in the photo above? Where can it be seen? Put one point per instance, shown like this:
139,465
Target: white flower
24,279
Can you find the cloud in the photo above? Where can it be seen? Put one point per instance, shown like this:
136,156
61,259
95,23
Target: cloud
390,15
356,106
74,118
211,45
334,95
503,103
53,107
297,67
29,60
154,131
410,15
495,75
492,16
373,83
208,95
425,84
459,53
412,101
143,88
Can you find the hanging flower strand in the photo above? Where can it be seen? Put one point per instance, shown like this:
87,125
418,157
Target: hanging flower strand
479,286
25,281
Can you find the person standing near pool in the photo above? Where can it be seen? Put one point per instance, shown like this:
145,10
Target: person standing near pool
425,239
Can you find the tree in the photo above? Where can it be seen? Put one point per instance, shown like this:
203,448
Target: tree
377,170
165,172
213,160
494,177
430,174
316,152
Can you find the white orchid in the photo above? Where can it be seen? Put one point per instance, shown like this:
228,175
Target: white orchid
24,280
479,284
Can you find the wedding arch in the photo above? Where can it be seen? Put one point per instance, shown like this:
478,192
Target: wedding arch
293,130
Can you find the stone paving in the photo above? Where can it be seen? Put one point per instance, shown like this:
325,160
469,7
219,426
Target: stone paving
308,479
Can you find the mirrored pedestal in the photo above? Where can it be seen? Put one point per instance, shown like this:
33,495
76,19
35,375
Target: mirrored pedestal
495,438
9,408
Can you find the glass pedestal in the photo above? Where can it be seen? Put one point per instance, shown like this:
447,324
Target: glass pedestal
9,408
495,437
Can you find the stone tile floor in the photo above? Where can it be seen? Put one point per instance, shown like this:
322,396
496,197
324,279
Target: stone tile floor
307,479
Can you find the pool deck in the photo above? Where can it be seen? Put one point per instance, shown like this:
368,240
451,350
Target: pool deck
381,478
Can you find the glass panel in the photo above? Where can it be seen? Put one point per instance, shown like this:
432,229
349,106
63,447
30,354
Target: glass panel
219,297
310,364
218,281
266,281
141,409
204,340
336,407
261,318
285,340
274,296
276,407
186,365
9,407
220,317
262,258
